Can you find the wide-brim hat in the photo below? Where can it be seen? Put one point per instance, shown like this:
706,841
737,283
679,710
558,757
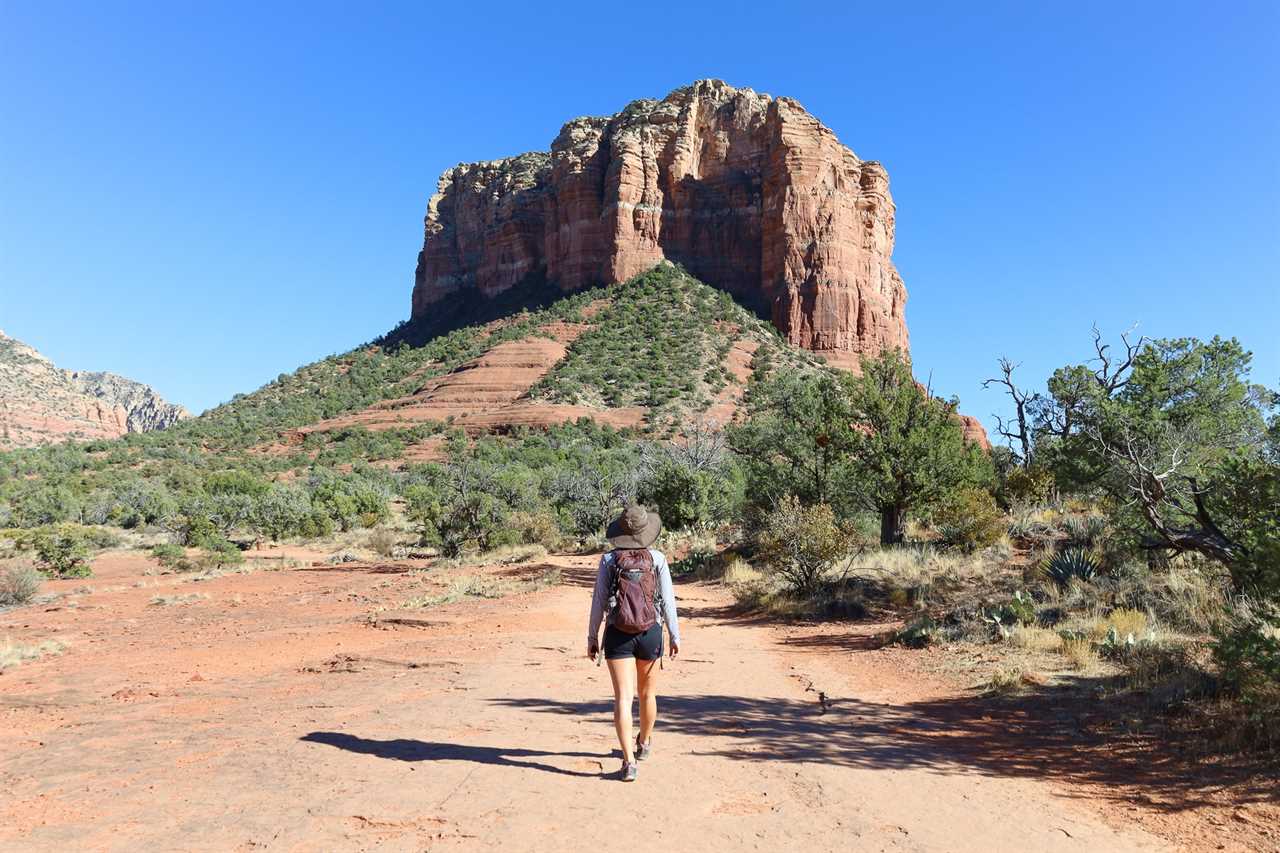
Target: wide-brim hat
635,528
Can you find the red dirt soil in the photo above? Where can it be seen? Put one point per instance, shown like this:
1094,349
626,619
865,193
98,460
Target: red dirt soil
308,709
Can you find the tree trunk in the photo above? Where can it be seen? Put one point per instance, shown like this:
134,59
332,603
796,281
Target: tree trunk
893,524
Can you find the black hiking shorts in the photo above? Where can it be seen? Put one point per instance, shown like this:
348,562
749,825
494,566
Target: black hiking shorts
645,646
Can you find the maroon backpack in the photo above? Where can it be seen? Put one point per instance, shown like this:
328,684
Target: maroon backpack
635,584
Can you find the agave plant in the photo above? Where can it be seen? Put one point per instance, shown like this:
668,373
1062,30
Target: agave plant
1071,563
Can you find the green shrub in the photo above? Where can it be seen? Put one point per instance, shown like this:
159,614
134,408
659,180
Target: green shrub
62,550
969,519
537,527
18,584
1028,486
172,557
800,543
1068,565
1246,649
686,497
282,511
220,555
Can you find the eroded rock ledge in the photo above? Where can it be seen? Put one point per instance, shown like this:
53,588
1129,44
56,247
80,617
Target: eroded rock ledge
750,193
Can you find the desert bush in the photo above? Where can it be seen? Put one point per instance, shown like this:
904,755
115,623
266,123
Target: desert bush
799,543
350,501
18,584
537,527
283,511
1246,649
739,571
173,557
1072,564
1189,594
383,541
1027,486
685,496
1126,622
220,555
969,519
61,550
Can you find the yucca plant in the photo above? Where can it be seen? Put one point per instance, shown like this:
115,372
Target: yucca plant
1071,563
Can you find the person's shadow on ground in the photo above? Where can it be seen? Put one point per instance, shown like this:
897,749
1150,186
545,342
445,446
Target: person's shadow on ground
419,750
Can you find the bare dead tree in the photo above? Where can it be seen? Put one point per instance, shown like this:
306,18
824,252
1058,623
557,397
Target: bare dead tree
1171,500
701,444
1018,429
1113,371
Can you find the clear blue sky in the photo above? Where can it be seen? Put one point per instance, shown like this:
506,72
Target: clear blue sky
205,199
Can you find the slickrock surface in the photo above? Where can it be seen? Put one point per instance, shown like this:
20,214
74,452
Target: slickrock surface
750,193
41,403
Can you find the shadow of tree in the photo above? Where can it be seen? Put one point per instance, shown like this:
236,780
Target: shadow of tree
417,750
1032,736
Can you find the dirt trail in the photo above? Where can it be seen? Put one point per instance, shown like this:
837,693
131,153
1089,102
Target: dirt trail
273,715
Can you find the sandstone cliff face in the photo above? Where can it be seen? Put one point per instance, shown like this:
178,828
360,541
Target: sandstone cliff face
41,403
750,193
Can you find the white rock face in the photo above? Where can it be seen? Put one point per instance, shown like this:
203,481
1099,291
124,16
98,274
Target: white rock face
41,403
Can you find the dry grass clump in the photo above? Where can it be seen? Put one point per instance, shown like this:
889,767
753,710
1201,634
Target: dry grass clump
1126,621
1035,639
484,586
1007,681
19,583
170,600
12,654
383,541
506,555
738,571
1079,652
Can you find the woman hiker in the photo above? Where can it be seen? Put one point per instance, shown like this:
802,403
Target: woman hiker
633,591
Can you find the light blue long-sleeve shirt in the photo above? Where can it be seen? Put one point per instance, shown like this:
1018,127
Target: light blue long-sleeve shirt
604,580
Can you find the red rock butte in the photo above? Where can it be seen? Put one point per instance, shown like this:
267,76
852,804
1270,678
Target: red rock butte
750,193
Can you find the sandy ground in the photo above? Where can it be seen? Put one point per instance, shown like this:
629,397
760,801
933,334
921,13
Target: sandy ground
306,709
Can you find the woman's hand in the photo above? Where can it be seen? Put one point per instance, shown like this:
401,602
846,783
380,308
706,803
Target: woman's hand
593,649
675,648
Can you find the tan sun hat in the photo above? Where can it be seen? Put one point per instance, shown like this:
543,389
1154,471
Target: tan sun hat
635,528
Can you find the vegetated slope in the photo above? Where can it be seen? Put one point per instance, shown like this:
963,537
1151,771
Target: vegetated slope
644,353
650,352
41,403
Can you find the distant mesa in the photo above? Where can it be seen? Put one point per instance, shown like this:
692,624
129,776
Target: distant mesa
41,403
750,193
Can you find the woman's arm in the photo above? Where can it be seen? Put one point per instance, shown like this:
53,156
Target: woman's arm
599,600
669,615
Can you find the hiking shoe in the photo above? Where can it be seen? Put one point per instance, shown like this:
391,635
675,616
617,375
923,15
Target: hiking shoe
628,771
643,749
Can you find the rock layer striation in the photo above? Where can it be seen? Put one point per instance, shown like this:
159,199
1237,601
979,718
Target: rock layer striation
750,193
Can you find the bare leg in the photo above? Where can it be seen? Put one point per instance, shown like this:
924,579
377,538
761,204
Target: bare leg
623,673
647,670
